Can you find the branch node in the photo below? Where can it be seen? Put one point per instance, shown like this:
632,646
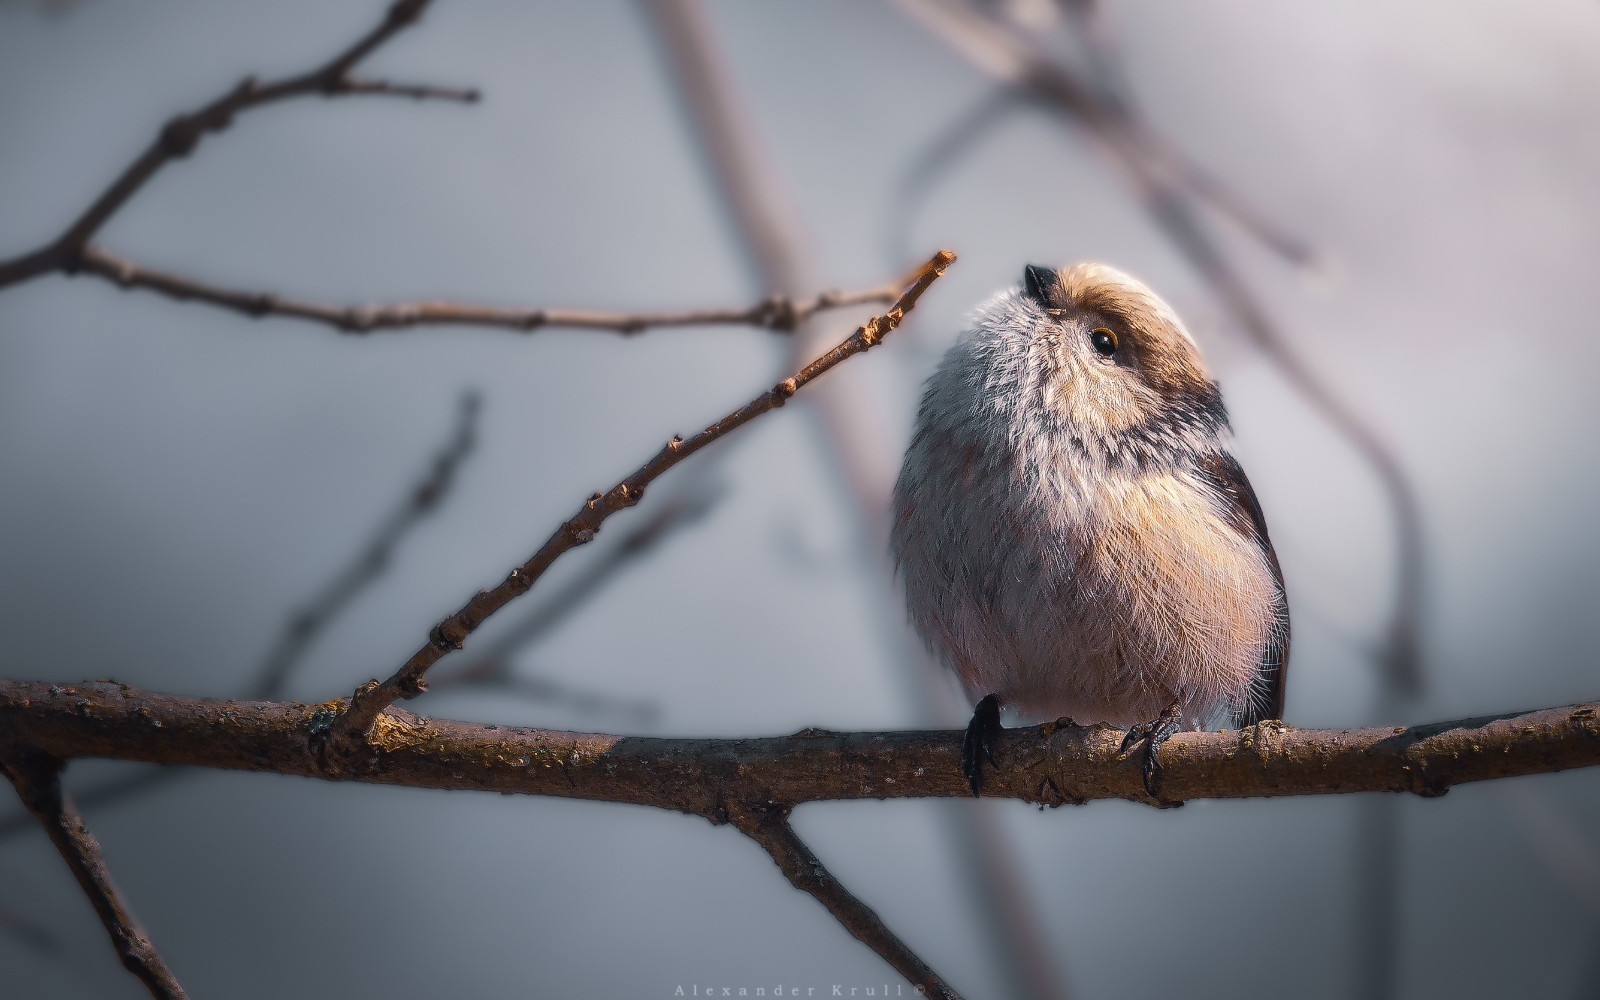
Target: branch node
72,263
779,313
180,136
447,635
405,12
582,528
783,390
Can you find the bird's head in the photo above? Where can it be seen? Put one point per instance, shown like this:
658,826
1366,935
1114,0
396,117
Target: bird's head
1112,358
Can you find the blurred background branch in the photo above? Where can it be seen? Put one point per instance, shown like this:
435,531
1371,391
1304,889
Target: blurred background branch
751,191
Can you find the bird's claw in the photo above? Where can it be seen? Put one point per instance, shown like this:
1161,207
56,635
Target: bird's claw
982,734
1154,734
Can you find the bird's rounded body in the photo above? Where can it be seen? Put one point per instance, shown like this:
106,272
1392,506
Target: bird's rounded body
1072,533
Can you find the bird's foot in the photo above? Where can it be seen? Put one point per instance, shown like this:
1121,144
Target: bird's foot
982,734
1154,734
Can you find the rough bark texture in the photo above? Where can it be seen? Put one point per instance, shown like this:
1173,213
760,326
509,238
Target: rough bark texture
1051,764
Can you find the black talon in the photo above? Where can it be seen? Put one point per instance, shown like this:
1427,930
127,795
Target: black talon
982,733
1156,733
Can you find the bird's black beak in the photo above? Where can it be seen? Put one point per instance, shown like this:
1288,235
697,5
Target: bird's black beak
1040,283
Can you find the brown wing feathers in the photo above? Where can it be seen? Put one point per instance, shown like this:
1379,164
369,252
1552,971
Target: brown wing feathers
1239,505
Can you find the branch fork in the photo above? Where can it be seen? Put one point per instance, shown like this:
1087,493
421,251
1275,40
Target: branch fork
451,634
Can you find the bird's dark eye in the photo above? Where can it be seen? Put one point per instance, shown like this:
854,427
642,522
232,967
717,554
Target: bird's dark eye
1105,341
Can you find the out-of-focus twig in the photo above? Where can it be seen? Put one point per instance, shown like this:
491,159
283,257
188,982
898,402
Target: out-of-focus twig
1566,848
372,698
37,778
748,186
491,667
1169,190
1099,100
306,623
923,172
751,191
29,933
116,791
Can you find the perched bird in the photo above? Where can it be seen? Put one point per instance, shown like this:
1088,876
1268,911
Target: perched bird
1073,535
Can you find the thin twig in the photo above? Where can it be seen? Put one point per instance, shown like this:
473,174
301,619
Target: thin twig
371,699
925,168
179,136
374,558
1108,80
776,312
1033,969
634,711
34,936
1103,104
747,184
73,252
771,829
114,791
37,778
1167,190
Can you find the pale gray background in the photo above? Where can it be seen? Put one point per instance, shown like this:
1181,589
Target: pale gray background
176,478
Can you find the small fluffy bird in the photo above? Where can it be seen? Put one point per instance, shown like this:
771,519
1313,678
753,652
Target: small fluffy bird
1073,535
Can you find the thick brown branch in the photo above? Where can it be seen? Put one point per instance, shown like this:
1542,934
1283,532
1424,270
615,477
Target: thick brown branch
37,778
774,313
1051,764
407,682
772,831
179,137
